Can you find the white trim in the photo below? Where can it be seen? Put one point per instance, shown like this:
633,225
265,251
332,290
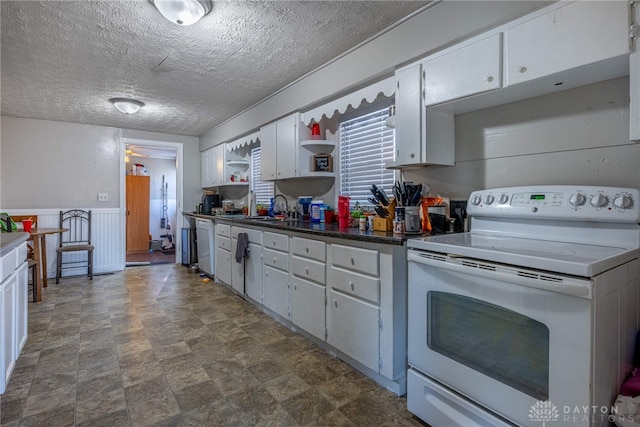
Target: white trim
179,188
340,105
245,140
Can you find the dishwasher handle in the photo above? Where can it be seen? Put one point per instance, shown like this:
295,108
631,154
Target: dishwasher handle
528,278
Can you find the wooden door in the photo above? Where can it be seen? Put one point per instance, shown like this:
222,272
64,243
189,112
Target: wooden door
137,191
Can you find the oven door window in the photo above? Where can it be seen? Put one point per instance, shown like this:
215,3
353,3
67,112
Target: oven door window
500,343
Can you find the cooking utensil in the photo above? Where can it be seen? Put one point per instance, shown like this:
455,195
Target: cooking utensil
373,200
382,212
382,197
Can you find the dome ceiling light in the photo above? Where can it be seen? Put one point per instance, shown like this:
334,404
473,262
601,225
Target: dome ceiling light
127,105
183,12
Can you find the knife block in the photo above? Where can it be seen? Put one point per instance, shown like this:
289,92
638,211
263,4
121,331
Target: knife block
385,224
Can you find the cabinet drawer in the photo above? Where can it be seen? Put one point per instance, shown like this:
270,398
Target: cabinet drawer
276,259
275,241
255,236
22,253
224,243
356,259
9,263
223,230
308,269
359,285
308,248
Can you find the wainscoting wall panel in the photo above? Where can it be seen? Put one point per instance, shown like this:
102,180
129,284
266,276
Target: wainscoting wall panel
107,234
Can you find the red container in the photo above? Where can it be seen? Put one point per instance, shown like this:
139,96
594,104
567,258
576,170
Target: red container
26,225
343,222
343,207
329,216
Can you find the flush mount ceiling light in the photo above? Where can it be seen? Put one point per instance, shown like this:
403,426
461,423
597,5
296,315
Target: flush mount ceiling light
126,105
183,12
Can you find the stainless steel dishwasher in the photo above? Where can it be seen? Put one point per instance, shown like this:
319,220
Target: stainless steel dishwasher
205,245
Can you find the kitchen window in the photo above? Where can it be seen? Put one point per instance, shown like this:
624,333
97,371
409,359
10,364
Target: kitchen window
262,189
366,143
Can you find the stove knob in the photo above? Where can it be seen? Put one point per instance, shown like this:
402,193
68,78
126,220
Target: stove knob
504,198
623,202
577,199
488,199
476,200
599,201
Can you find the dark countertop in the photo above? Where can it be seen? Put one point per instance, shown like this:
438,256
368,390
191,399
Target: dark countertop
10,241
317,228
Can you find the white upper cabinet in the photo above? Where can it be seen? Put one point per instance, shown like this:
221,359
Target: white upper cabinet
423,136
217,163
463,71
279,147
568,37
204,169
634,80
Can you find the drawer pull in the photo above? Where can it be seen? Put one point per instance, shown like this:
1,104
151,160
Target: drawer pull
353,261
335,303
274,243
521,69
488,79
306,270
353,287
306,250
295,287
274,260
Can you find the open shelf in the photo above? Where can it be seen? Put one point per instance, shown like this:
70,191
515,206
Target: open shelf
319,145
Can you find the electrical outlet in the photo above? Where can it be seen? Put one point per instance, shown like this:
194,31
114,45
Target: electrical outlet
103,197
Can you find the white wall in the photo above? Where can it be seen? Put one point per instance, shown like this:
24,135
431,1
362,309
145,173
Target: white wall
436,28
47,164
579,136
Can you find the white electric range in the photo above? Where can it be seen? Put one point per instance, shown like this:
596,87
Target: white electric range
536,307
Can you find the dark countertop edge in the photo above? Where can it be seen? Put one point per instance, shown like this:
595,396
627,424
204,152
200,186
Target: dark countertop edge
351,233
10,241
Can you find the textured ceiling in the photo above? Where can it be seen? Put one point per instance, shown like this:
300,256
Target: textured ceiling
63,60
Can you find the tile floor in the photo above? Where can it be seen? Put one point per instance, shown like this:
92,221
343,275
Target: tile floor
157,346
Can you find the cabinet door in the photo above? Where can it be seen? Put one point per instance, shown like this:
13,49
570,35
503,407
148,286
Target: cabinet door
223,265
253,273
219,171
237,269
352,327
308,307
204,169
634,86
287,150
463,71
268,152
409,121
7,333
275,290
22,310
577,34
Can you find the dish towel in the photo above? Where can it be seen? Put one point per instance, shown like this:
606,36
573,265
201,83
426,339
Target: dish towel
242,250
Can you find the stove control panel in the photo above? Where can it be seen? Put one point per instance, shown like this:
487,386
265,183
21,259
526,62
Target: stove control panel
573,203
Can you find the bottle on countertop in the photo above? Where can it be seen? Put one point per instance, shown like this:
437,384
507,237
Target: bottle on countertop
253,209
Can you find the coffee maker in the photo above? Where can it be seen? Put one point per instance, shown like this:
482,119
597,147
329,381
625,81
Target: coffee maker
210,201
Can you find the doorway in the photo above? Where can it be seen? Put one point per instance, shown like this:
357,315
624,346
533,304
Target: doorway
151,201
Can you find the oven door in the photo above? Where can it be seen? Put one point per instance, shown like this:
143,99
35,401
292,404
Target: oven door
503,337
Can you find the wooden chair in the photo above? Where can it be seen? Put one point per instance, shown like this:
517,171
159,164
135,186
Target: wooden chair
18,220
33,266
77,239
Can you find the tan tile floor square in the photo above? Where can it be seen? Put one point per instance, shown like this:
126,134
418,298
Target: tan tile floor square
157,346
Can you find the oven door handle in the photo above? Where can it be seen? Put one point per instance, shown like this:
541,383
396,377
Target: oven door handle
567,286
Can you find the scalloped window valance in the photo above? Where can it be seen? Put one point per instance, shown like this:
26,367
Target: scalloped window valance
244,141
340,105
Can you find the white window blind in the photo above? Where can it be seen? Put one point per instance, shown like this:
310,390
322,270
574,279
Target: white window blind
366,143
262,189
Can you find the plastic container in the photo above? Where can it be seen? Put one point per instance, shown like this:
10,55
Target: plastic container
315,210
329,216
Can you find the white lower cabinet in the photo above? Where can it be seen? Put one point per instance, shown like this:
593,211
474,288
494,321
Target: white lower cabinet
275,289
308,307
223,253
353,328
13,311
253,272
246,275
